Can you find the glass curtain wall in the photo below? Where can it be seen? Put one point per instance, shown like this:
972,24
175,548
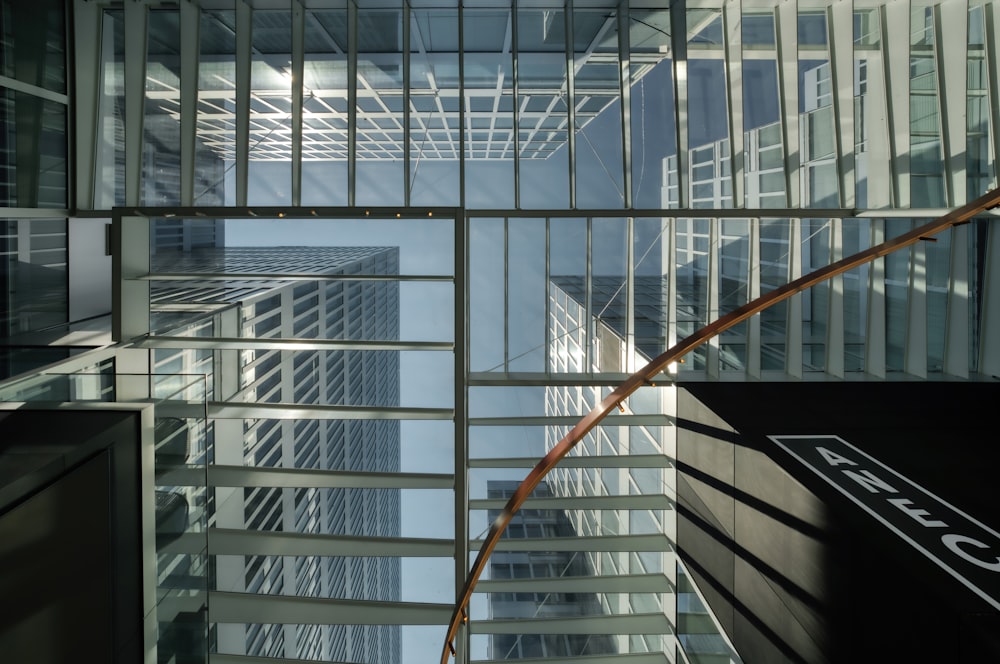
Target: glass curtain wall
613,177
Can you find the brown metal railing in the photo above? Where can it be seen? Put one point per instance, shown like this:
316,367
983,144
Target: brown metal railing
646,375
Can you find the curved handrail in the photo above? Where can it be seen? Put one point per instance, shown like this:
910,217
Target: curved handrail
646,375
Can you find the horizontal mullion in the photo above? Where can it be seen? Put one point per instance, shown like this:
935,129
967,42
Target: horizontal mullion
223,658
584,461
233,542
671,213
247,608
240,343
291,411
654,501
300,478
34,90
548,379
635,623
587,543
570,420
624,658
325,213
625,583
287,276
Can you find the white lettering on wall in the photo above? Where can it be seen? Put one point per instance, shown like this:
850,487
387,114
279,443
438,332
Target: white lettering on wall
919,515
952,542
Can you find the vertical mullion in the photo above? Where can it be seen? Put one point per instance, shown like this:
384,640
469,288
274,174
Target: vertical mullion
875,325
461,105
136,30
712,309
989,349
352,100
588,287
244,53
793,322
835,305
896,76
840,31
625,87
406,104
517,104
951,18
670,258
130,292
875,120
571,102
753,292
461,383
506,294
991,33
678,44
298,71
85,93
787,45
733,29
915,358
956,348
548,276
630,294
190,18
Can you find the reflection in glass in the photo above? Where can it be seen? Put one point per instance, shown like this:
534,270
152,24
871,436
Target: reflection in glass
542,114
434,100
269,172
215,129
380,173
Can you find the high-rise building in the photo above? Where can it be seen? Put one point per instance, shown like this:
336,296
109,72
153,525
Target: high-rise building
477,219
327,309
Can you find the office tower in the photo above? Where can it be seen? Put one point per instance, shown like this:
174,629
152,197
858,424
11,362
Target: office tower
326,308
542,566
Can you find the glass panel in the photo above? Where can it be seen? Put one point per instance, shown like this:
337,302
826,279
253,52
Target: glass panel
215,148
774,247
527,291
33,173
938,261
161,144
979,161
734,272
542,111
708,119
569,328
654,135
816,235
324,113
764,151
868,97
857,237
380,173
652,265
34,43
926,152
691,253
599,170
487,324
897,278
269,173
434,128
489,139
35,293
819,158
